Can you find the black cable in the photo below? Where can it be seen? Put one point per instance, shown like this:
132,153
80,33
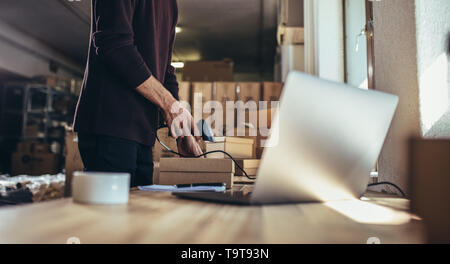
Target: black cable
204,154
388,183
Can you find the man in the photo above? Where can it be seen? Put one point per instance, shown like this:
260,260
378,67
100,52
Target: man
129,80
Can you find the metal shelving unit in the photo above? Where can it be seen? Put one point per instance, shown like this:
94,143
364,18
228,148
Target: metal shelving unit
43,109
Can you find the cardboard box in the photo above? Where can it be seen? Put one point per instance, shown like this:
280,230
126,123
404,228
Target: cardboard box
258,119
225,92
242,180
35,164
196,165
272,91
250,134
160,151
176,171
73,160
155,172
205,90
184,91
189,178
51,81
208,71
30,147
21,163
239,148
250,166
33,131
249,91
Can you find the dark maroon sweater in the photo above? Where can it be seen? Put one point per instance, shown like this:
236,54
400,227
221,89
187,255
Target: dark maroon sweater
130,41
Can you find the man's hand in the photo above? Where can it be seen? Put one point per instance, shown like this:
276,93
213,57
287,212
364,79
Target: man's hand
180,121
189,147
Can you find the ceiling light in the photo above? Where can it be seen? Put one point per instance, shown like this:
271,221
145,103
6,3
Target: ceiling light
178,65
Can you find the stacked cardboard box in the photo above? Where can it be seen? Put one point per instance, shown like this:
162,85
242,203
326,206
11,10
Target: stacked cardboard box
208,71
184,91
182,171
225,92
272,91
250,166
34,159
249,91
238,147
204,91
160,151
254,130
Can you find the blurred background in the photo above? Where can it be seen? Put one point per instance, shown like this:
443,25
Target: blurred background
43,50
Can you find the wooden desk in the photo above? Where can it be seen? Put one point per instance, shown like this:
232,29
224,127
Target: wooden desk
162,218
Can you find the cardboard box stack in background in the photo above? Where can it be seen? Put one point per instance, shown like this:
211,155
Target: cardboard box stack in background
249,91
73,160
34,159
184,92
208,71
224,92
272,91
205,89
183,171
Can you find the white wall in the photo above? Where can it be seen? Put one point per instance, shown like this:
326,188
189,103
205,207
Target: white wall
433,25
409,62
396,73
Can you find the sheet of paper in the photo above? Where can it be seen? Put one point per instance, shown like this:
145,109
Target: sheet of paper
168,188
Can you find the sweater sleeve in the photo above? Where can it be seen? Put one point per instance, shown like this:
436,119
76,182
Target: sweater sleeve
170,80
114,40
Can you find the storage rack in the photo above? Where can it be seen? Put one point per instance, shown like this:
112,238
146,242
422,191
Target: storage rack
28,109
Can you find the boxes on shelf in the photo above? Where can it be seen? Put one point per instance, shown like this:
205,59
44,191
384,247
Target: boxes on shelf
203,91
34,164
29,147
184,92
73,160
224,92
208,71
33,131
238,147
272,91
75,86
182,171
249,91
51,81
258,120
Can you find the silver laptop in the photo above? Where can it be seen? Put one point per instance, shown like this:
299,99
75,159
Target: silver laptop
325,141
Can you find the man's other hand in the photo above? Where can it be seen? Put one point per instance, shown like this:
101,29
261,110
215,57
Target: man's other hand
189,147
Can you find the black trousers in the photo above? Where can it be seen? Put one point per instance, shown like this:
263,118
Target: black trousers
110,154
